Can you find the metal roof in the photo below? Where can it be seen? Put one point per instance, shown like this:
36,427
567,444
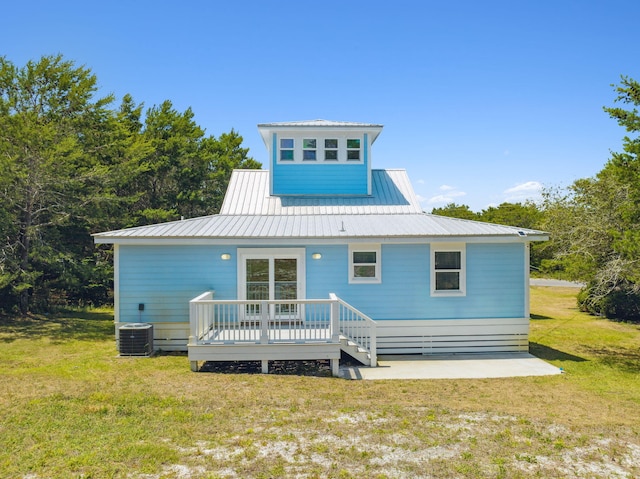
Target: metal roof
248,194
249,213
266,129
319,123
323,227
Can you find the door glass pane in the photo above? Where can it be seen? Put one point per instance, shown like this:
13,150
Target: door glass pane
257,283
285,283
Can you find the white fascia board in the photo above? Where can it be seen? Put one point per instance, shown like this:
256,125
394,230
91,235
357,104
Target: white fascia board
266,130
316,241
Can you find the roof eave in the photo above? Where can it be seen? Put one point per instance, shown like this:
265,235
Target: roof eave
266,129
408,239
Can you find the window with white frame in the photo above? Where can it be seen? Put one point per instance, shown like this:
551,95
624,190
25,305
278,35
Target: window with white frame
331,149
301,149
365,263
286,149
448,270
309,149
353,149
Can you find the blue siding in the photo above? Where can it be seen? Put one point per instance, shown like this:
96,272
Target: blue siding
495,283
320,179
166,278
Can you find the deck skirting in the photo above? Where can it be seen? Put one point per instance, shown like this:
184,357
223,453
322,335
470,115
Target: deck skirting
447,336
402,336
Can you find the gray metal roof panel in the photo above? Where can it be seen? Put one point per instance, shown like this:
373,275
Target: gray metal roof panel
318,123
319,226
248,194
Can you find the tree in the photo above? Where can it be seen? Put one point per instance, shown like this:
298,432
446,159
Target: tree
226,154
526,215
454,210
71,165
45,109
596,222
178,171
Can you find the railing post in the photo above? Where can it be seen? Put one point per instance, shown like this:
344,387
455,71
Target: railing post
335,320
192,323
264,322
373,354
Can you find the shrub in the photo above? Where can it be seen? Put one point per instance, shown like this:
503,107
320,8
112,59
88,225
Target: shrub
620,304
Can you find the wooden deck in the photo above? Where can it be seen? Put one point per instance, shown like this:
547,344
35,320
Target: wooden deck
240,330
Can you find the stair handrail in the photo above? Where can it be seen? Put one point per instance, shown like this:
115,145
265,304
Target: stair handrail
357,327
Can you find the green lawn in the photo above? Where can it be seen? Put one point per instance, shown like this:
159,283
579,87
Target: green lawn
69,407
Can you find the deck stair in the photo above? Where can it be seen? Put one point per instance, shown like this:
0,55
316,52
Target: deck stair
355,351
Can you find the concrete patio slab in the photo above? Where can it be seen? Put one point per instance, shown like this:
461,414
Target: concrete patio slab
455,366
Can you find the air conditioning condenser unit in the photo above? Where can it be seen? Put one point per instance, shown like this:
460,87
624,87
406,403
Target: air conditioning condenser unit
136,339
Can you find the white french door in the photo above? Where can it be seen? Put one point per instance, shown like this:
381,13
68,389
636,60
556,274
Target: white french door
271,274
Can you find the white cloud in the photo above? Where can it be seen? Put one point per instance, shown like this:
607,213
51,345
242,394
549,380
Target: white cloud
420,182
449,195
529,190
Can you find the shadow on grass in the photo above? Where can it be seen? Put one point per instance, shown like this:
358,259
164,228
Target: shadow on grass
623,359
549,354
63,327
539,316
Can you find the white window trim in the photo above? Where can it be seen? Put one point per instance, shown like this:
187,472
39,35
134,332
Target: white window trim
342,149
356,248
445,247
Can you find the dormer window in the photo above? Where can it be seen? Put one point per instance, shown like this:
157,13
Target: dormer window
309,149
331,149
286,149
353,149
312,148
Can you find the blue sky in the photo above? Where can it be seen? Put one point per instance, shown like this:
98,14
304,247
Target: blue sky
482,101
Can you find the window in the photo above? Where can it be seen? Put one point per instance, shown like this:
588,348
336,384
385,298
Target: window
448,270
309,149
331,149
364,264
286,149
353,149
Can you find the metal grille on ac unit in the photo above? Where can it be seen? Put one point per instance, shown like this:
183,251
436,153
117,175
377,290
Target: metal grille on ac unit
136,339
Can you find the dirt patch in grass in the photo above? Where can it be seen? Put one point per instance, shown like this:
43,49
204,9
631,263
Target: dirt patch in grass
441,444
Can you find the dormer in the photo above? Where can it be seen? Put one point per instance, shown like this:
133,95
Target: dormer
319,157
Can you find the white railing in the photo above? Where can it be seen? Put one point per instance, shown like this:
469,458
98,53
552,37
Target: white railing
357,326
265,322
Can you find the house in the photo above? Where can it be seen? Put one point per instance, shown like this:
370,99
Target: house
322,253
